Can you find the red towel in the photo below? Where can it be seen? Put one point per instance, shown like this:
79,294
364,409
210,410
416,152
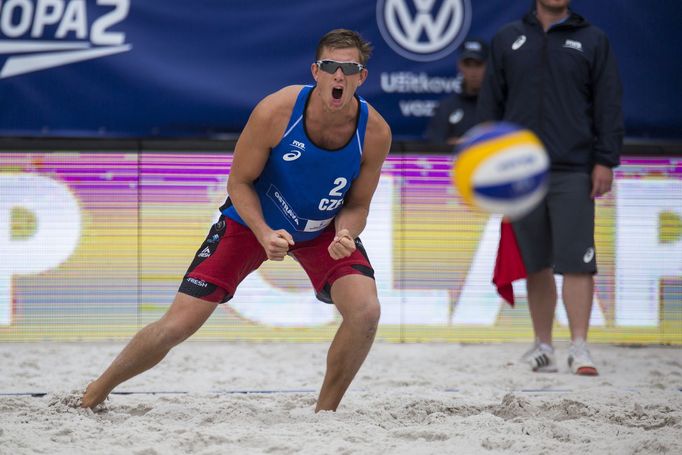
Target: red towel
508,264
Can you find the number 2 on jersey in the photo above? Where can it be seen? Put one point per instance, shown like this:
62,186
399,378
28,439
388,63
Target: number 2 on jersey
333,204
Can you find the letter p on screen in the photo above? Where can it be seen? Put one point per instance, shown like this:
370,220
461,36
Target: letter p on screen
40,225
648,247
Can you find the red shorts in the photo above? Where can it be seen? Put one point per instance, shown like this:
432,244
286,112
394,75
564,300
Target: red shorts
231,251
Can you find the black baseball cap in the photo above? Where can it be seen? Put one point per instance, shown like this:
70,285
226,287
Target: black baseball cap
475,49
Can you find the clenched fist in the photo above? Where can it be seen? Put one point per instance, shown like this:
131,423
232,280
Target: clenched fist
342,246
276,244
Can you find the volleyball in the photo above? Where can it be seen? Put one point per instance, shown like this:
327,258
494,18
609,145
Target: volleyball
501,168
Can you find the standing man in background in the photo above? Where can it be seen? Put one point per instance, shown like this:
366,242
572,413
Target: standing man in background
457,113
555,74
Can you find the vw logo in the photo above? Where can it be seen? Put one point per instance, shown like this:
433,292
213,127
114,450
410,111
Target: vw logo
424,30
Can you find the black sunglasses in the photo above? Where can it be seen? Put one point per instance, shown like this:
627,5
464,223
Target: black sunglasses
348,68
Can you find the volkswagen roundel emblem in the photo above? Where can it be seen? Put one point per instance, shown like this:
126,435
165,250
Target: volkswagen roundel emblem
424,30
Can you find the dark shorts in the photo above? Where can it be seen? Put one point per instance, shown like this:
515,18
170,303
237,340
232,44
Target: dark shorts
231,251
559,233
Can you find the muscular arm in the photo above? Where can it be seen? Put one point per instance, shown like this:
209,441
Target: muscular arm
262,131
352,218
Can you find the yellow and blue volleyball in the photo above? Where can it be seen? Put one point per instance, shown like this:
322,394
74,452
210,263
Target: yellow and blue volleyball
501,168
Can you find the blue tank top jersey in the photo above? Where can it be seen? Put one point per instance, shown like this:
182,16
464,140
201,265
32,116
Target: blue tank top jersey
302,186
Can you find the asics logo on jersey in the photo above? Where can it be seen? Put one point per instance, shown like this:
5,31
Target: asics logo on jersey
292,155
520,41
205,253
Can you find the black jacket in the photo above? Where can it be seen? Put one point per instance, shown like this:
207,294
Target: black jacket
563,85
453,117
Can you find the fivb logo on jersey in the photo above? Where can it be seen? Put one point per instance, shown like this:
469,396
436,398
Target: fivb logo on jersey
423,30
41,34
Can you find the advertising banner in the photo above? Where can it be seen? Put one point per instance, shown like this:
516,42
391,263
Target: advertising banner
164,69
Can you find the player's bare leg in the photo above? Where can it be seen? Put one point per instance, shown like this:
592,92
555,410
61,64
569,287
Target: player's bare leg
355,296
150,345
578,291
542,296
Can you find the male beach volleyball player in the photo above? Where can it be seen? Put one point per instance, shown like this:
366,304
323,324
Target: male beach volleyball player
555,74
304,172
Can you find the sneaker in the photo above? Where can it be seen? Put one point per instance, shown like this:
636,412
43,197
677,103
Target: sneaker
579,359
541,358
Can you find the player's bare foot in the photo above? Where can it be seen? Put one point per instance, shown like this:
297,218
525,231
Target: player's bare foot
93,396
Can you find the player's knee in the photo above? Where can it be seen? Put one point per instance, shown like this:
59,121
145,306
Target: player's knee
374,313
170,334
367,314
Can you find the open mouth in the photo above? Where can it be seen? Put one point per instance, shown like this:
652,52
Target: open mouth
337,93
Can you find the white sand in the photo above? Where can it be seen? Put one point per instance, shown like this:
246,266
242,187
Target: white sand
407,399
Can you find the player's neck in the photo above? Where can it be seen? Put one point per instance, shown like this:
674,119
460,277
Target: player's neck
547,17
319,110
470,91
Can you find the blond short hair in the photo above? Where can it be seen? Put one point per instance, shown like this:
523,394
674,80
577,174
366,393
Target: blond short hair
342,38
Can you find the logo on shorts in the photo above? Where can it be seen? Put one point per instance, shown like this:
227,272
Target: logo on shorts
589,255
206,252
423,30
520,41
200,283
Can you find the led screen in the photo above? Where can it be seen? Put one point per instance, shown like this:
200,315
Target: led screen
93,246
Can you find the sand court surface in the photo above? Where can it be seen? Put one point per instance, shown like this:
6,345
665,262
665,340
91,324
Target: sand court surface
241,398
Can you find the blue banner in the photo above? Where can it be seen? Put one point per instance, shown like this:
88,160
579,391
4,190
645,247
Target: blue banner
118,68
